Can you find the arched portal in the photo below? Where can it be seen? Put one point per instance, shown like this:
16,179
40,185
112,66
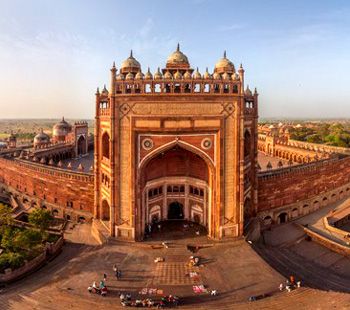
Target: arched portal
179,178
176,211
81,145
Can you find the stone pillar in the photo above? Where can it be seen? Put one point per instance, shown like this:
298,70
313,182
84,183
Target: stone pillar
187,203
165,200
96,157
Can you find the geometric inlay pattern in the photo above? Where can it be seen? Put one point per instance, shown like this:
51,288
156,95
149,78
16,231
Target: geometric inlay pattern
175,274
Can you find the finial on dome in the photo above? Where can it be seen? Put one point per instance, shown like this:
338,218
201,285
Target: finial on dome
98,90
131,54
148,70
224,53
178,47
255,91
62,118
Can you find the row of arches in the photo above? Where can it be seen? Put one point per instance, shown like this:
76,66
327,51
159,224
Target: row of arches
176,87
294,212
63,213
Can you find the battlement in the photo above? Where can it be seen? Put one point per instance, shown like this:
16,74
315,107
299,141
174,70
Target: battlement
305,168
48,170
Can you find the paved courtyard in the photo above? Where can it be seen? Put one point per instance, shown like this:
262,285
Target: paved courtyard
233,268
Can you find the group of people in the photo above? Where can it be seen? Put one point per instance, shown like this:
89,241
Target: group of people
194,261
290,284
166,301
100,289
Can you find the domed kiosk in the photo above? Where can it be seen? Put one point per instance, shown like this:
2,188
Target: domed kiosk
61,130
41,139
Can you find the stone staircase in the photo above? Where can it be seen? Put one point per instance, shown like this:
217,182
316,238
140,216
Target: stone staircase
289,263
302,298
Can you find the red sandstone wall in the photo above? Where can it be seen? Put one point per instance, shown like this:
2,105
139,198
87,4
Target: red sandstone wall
53,185
290,185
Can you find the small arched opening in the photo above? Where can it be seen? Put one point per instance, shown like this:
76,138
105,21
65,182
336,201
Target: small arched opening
105,145
268,220
81,145
105,211
282,218
175,211
247,143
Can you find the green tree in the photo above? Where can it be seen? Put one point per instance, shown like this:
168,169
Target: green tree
40,219
28,240
7,238
11,260
5,215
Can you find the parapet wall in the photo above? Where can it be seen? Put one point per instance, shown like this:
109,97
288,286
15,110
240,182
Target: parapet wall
295,184
47,186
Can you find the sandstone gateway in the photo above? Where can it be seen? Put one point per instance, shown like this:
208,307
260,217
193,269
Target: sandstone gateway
175,145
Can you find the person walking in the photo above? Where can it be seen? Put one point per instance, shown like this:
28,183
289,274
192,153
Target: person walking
104,277
116,271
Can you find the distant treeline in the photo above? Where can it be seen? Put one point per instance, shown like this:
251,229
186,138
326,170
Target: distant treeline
330,134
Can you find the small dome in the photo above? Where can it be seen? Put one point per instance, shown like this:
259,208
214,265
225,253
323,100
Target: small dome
62,128
197,75
120,76
130,65
158,75
177,58
177,75
41,138
168,75
207,75
148,75
225,65
129,76
139,75
216,76
187,75
226,76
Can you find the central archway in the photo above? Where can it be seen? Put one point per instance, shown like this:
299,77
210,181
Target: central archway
176,211
181,182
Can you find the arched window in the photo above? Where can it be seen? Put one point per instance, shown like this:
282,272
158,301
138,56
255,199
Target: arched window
247,143
105,145
105,211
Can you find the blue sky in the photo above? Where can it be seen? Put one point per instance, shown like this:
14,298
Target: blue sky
53,54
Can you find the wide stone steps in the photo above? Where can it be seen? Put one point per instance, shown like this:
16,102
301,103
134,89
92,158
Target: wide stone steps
302,298
288,263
